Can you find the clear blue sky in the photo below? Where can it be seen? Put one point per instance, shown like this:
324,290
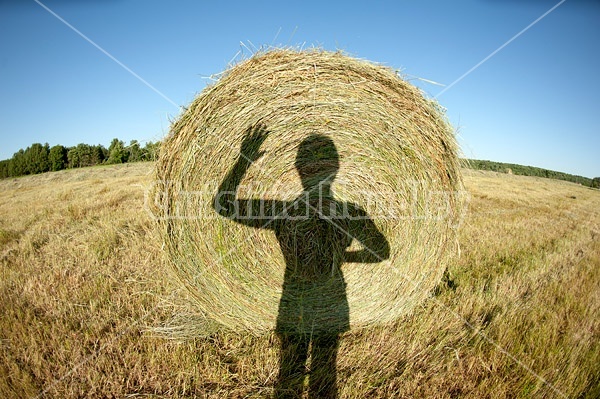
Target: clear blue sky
535,102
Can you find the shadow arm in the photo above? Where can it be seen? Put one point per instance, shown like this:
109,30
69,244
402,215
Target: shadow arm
376,247
250,212
225,202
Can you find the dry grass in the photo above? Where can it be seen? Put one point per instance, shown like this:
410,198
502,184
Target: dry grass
83,276
397,154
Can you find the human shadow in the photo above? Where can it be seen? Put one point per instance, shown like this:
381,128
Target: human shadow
314,232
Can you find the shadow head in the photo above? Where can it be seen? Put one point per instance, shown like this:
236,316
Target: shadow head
317,161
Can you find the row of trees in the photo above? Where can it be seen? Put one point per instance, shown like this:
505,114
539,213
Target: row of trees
39,158
531,171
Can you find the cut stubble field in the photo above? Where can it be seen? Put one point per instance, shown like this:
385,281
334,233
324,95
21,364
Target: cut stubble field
86,297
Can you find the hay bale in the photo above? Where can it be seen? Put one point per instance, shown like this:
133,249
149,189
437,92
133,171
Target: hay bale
391,163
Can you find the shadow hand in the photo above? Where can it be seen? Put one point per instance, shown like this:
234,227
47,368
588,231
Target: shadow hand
253,139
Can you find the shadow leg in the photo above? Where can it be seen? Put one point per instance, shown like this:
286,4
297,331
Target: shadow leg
323,374
292,366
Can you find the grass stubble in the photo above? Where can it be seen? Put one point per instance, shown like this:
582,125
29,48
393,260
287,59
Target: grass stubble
84,285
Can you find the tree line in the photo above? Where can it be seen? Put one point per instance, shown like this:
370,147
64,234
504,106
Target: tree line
39,158
531,171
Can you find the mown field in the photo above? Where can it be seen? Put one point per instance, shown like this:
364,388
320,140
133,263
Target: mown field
84,288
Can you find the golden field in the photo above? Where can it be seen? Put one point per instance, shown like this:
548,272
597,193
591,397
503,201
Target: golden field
85,288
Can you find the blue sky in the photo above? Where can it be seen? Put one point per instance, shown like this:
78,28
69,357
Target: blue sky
534,102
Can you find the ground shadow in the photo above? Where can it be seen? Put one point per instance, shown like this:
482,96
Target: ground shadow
314,232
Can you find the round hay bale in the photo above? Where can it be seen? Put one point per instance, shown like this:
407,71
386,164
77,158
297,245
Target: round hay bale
308,191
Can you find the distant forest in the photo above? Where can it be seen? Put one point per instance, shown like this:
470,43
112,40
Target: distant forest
531,171
40,158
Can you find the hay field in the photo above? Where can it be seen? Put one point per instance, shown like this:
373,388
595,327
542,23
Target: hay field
83,285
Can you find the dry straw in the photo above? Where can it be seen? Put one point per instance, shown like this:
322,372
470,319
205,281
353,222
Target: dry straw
395,166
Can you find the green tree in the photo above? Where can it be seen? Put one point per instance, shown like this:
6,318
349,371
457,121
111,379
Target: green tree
45,158
73,158
4,167
58,157
150,151
36,158
98,154
596,182
86,155
117,152
17,164
135,152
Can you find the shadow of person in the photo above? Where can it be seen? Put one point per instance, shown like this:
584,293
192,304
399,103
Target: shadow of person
314,232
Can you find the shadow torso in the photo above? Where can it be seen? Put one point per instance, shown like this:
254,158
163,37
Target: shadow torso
313,299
